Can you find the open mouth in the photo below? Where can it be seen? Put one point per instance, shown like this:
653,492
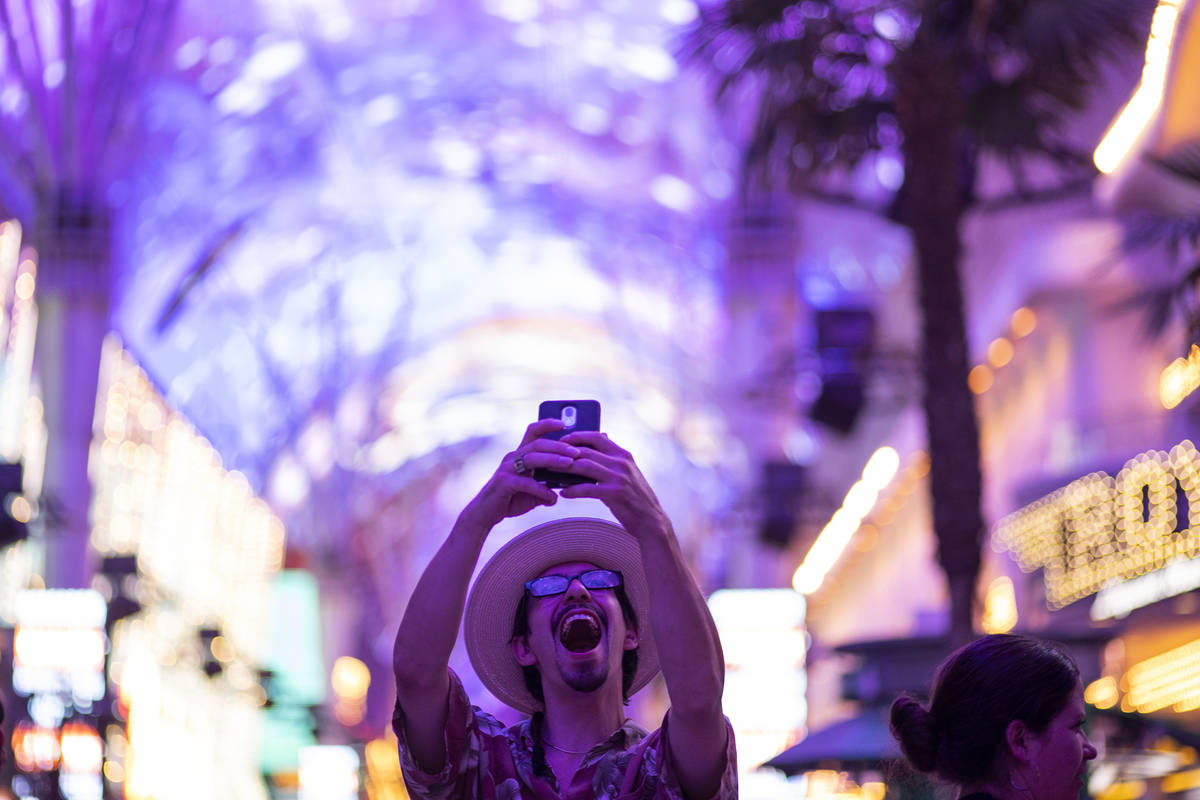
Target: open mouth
579,631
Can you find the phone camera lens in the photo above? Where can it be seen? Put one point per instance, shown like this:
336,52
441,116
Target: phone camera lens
569,416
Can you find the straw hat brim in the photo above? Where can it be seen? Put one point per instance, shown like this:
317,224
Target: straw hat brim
492,604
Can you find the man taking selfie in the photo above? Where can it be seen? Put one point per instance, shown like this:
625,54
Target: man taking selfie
564,623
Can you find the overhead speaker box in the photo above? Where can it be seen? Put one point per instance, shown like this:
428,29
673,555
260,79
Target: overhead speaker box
845,338
782,489
840,402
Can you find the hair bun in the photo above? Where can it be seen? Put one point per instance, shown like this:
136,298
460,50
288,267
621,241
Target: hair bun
916,731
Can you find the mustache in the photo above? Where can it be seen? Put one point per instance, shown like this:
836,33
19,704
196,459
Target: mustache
573,607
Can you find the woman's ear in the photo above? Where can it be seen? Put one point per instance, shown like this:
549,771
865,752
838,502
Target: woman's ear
631,638
522,652
1019,740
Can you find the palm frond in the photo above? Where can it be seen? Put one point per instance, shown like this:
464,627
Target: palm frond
1073,37
1178,296
1150,231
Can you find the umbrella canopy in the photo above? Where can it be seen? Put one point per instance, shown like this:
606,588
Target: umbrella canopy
861,740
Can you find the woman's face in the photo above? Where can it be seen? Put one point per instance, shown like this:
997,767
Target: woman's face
1058,756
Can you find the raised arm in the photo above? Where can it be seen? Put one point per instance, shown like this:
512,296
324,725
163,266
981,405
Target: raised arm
434,613
688,647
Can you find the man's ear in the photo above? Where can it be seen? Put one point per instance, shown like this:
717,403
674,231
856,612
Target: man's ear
631,639
522,652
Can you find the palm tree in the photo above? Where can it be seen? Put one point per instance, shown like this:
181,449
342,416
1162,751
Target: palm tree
932,86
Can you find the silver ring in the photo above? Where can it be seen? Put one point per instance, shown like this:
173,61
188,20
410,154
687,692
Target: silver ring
519,465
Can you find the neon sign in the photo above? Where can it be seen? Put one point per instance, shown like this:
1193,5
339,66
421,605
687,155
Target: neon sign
1100,531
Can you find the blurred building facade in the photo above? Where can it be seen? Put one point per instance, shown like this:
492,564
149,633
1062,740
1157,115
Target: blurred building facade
1088,429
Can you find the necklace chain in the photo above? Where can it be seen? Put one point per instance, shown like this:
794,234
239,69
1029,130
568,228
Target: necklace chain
553,746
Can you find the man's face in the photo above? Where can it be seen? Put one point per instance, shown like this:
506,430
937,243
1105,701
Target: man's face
576,639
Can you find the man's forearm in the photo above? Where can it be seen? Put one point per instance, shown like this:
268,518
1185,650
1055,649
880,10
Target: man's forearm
427,632
688,647
434,613
693,666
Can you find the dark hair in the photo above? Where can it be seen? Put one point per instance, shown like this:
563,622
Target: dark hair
629,659
977,691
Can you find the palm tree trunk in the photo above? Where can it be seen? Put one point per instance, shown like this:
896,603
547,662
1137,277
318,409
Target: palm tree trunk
938,171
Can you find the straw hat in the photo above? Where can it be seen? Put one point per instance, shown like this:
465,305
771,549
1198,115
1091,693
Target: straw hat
492,604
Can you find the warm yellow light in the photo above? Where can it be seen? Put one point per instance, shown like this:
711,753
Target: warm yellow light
1171,679
881,468
350,678
979,379
919,467
20,509
383,770
24,286
114,772
823,782
1181,781
831,785
1102,693
222,650
1000,606
35,749
832,540
873,790
1179,379
1145,101
1128,790
1023,322
349,712
1000,352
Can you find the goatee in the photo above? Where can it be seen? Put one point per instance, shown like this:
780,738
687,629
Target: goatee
585,680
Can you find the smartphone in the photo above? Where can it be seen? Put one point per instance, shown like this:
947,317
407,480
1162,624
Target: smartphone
576,415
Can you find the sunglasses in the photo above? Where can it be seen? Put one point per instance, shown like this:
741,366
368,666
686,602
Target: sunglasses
550,585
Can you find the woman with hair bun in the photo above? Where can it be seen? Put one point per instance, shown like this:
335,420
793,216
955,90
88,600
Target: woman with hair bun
1004,721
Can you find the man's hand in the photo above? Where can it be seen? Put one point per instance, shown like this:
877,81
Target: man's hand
510,493
620,485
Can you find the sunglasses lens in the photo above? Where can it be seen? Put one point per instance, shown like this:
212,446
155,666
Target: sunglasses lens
601,579
547,585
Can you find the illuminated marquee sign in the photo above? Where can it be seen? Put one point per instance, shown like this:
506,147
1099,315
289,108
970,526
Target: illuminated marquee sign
1098,532
59,643
764,641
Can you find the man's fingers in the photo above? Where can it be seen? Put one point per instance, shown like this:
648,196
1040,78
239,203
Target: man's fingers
596,440
588,467
537,429
537,459
581,490
536,489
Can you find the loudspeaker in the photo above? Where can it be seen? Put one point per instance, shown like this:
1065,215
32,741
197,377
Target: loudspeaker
844,340
840,402
848,330
782,485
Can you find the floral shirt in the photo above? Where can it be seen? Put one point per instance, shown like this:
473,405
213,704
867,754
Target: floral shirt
485,761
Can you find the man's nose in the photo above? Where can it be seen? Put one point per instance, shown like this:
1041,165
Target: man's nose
577,591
